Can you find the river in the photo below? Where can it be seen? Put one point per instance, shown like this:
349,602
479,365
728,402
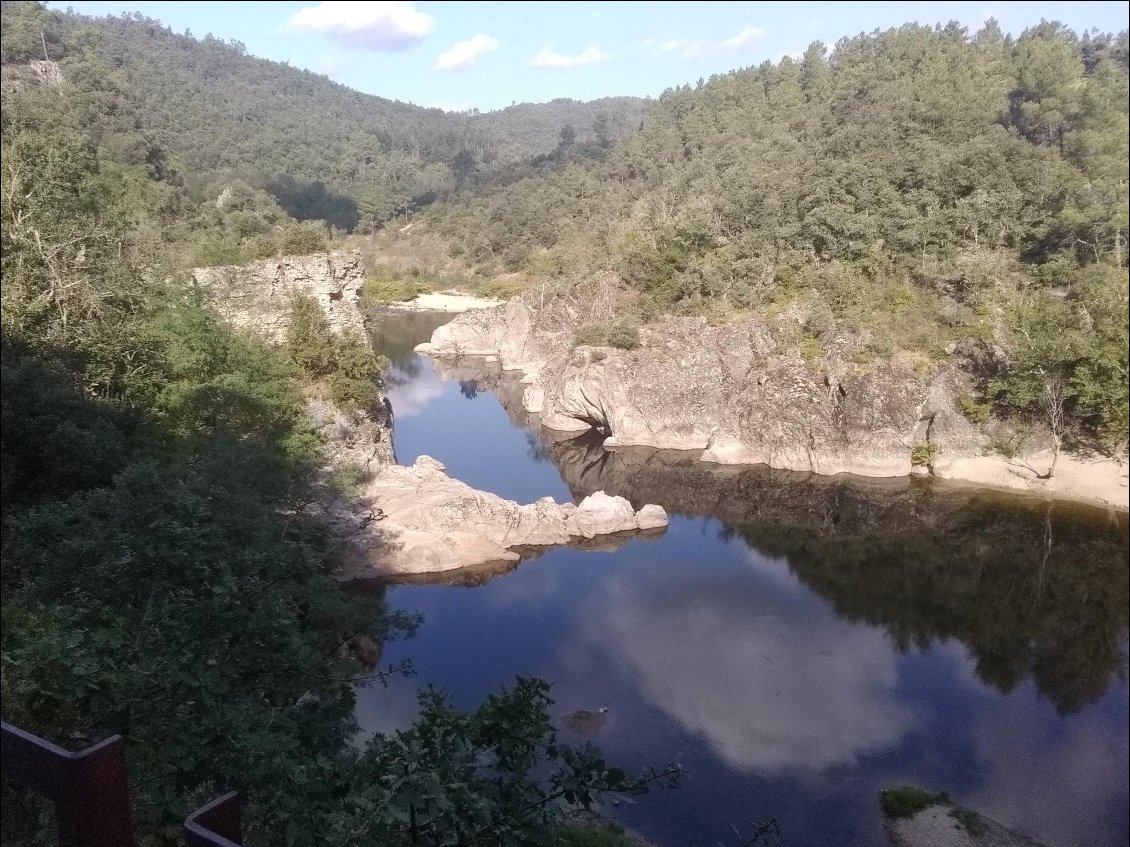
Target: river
796,642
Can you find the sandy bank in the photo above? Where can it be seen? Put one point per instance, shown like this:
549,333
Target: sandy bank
444,301
1102,482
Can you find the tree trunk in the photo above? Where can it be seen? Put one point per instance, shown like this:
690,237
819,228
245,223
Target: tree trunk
1058,443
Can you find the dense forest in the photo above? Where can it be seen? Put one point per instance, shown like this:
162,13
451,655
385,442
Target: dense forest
161,577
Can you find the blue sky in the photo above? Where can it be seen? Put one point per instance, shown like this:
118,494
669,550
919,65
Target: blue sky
488,55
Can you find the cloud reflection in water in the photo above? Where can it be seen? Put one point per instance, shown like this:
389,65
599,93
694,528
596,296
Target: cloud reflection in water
770,677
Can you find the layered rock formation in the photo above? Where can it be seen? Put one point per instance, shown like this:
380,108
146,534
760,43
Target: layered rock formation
741,394
258,296
419,520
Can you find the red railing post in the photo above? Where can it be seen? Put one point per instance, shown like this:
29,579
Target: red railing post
214,825
90,789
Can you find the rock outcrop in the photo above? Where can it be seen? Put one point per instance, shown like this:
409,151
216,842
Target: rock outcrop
740,394
258,296
419,520
38,72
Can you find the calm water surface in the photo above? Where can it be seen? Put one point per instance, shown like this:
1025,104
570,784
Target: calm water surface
797,643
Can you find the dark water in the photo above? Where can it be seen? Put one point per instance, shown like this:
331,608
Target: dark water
796,642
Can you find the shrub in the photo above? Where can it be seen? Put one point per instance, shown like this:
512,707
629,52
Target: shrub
923,454
309,339
1006,447
305,237
502,289
810,347
379,290
976,412
590,335
356,377
346,478
904,801
625,336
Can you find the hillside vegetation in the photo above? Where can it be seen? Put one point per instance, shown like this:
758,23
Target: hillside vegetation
920,185
162,578
322,150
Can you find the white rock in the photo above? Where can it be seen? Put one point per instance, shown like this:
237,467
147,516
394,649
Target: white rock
428,463
651,517
600,514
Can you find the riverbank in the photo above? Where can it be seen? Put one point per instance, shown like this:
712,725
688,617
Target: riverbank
1081,479
743,395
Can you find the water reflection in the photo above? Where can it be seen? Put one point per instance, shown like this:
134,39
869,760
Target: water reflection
733,658
1032,588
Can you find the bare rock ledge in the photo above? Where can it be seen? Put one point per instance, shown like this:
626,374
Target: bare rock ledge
419,520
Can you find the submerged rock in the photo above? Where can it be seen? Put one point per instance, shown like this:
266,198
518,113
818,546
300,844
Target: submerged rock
417,519
944,824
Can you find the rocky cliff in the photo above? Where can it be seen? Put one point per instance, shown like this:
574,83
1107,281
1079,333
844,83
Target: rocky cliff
740,394
258,296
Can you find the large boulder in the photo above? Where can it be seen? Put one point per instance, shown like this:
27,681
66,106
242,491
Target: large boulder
417,519
601,514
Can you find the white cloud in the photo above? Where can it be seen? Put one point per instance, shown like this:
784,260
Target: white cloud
463,54
549,58
771,692
746,37
410,397
684,47
693,48
374,25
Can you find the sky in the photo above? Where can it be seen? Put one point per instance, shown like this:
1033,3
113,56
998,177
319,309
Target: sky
488,55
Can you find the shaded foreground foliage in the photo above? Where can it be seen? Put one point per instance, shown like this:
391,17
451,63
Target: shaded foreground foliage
161,578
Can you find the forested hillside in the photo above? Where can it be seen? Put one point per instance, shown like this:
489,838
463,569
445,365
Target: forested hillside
322,150
920,185
162,578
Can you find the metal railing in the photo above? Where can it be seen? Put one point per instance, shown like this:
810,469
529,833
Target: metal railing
90,791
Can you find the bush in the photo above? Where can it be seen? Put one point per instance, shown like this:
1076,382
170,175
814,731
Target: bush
904,801
810,347
976,412
309,339
379,290
346,478
624,336
356,377
305,237
502,290
923,454
590,335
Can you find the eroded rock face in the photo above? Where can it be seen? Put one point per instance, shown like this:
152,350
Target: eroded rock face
419,520
737,393
258,296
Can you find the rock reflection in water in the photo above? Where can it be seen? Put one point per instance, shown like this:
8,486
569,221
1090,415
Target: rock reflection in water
1032,588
